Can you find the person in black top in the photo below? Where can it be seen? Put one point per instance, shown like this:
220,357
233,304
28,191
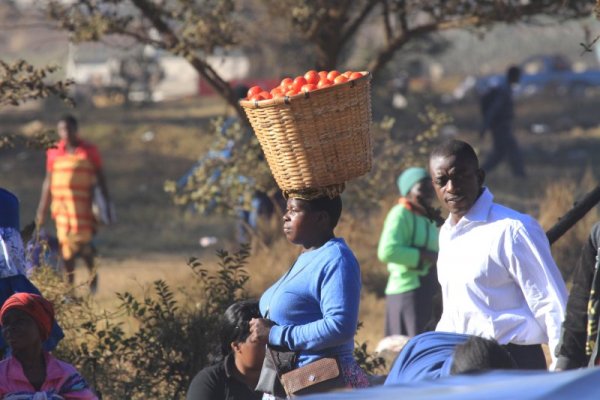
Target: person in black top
579,340
236,376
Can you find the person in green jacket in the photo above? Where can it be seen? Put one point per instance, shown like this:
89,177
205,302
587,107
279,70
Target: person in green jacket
409,246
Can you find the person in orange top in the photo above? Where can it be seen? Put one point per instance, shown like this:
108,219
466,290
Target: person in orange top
73,168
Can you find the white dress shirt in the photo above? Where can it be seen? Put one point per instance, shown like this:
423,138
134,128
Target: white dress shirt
498,277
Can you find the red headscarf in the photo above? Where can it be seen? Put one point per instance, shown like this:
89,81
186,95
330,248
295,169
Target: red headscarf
36,306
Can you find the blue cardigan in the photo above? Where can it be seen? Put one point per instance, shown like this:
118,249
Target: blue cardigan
315,305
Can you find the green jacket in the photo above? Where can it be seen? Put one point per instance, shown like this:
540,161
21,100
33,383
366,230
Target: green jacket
404,234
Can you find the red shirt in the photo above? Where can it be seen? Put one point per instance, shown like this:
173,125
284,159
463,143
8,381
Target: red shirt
83,148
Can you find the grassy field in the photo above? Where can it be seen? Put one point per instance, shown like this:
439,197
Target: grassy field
143,147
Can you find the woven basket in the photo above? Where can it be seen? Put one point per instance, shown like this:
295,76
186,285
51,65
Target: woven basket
316,140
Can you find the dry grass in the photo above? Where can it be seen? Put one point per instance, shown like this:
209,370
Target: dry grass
560,196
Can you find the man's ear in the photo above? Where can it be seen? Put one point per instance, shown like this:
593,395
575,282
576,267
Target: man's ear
480,176
235,346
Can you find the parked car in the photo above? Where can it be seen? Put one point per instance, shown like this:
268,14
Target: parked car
541,74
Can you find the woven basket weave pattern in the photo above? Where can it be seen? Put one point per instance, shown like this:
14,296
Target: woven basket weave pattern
316,140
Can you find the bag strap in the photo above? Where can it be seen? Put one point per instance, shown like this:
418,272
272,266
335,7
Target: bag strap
273,353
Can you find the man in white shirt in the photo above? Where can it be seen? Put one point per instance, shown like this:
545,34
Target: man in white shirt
495,268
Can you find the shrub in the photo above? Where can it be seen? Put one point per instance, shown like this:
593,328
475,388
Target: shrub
171,340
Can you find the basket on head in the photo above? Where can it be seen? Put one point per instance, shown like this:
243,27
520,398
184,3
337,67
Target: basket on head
318,139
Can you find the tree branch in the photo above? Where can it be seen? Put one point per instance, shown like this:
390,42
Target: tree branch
354,25
172,43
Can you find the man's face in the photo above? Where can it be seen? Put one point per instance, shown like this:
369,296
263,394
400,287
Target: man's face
457,183
65,132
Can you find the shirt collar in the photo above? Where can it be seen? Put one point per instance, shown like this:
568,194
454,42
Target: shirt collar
403,201
62,144
53,369
479,211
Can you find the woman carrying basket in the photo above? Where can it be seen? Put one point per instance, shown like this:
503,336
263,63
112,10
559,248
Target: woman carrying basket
313,309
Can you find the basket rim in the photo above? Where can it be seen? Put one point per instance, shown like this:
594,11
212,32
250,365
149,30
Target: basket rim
287,99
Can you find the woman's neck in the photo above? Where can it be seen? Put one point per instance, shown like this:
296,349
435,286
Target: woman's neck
318,241
33,363
247,375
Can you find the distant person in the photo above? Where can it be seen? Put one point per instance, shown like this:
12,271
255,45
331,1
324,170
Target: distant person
236,376
73,169
580,340
495,268
434,355
497,110
30,373
409,245
13,263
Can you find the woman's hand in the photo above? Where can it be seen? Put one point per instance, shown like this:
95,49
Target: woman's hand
259,330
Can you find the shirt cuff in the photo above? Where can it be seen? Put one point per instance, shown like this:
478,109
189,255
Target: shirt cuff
276,335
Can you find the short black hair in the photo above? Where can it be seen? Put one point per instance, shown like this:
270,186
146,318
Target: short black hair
332,206
480,354
235,323
456,148
70,121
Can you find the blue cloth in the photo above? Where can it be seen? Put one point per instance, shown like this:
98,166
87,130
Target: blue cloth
13,267
315,305
17,284
12,255
9,210
426,356
580,384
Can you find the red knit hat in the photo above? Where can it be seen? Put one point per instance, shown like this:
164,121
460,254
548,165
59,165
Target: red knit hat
36,306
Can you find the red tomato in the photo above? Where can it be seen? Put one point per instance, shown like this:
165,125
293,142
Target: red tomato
285,82
332,75
312,77
254,90
309,87
291,92
347,74
324,83
355,75
298,83
265,95
276,92
322,75
340,79
257,97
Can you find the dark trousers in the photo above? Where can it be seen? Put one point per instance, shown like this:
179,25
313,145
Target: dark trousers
409,313
527,356
505,146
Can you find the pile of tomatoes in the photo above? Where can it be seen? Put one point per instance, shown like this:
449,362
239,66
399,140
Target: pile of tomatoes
312,80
